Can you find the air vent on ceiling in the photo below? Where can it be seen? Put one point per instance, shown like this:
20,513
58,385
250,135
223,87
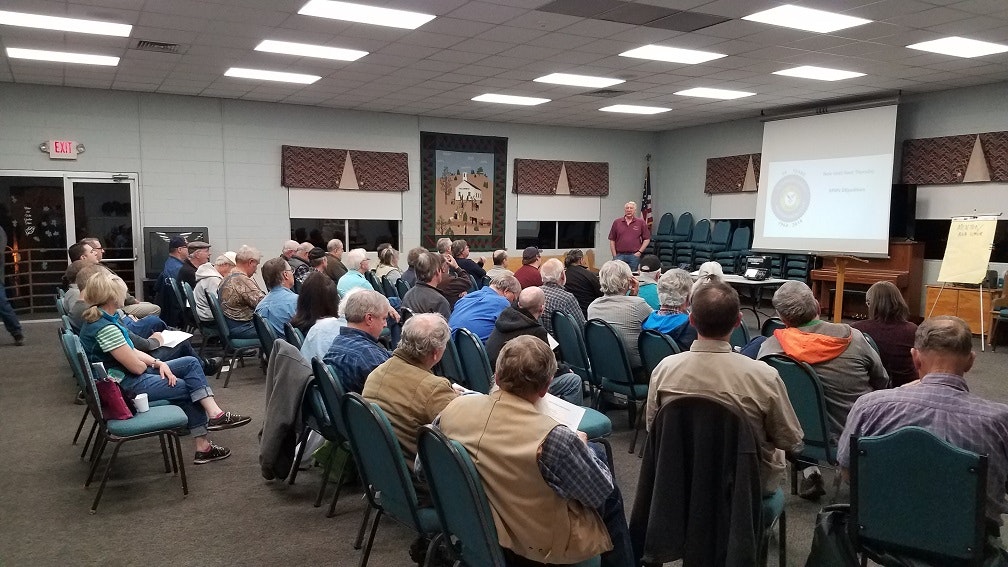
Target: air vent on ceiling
157,46
606,93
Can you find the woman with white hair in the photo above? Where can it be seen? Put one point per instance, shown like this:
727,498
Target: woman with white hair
672,318
620,306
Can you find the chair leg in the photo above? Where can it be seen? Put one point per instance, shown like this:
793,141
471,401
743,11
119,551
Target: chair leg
164,452
175,457
94,427
296,465
632,420
108,469
325,479
339,486
782,540
794,477
363,526
367,548
80,427
99,444
837,477
181,464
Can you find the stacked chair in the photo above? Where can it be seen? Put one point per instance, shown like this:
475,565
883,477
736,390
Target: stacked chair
681,233
738,248
684,250
793,266
661,235
705,251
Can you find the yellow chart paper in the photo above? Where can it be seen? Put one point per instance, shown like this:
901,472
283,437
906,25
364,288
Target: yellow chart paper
968,251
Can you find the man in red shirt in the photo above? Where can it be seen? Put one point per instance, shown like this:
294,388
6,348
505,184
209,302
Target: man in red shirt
629,236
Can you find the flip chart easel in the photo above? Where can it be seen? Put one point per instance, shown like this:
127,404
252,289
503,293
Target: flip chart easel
967,256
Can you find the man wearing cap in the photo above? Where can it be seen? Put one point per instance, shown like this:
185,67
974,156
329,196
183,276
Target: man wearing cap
629,236
199,254
178,251
239,294
208,278
650,271
528,275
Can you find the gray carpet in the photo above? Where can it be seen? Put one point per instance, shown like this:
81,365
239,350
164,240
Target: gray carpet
232,515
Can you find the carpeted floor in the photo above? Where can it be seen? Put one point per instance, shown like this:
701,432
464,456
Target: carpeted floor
232,516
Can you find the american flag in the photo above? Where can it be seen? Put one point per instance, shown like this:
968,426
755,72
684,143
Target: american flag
645,202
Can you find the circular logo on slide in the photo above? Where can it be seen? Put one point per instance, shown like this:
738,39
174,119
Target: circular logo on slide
790,198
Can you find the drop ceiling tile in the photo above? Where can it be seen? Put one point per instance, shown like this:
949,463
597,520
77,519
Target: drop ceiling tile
435,40
543,21
597,28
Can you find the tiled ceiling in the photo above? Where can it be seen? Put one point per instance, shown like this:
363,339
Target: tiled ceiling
500,46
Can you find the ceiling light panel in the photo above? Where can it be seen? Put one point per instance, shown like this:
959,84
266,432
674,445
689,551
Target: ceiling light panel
579,80
308,50
633,109
509,99
807,19
960,47
721,94
818,73
62,57
262,75
672,54
64,24
362,14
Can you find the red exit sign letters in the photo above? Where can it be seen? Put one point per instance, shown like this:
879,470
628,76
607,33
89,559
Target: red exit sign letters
62,149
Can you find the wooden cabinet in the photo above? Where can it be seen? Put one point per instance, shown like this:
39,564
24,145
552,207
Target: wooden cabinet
963,302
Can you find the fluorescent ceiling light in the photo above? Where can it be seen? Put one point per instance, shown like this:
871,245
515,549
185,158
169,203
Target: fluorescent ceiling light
818,73
61,57
508,99
579,80
63,24
807,19
365,14
960,47
308,50
723,94
271,75
631,109
672,54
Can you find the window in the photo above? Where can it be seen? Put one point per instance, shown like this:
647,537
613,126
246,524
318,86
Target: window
366,234
556,234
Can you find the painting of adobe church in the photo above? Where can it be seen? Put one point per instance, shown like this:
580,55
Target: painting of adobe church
464,194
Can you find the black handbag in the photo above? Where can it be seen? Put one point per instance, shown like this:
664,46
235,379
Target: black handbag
831,543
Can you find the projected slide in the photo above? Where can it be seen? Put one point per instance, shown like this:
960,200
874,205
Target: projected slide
808,199
825,183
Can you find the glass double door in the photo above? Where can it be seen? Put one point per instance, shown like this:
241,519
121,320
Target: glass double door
44,213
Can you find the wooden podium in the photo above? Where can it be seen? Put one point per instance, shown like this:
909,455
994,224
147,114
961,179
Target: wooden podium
904,268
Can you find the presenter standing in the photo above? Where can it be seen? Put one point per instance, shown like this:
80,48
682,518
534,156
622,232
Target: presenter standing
629,236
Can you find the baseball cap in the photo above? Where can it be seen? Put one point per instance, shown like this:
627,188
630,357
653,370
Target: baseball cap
197,245
649,263
176,242
708,269
530,254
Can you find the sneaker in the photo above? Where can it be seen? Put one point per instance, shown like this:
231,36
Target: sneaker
227,420
811,488
18,340
216,453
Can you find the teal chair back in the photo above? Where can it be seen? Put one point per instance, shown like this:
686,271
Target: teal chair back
654,346
370,277
740,239
401,287
459,499
771,325
475,364
382,469
265,331
72,349
684,227
332,393
450,366
60,308
913,494
806,394
607,353
570,336
739,335
68,324
721,234
293,335
665,226
222,328
389,288
701,232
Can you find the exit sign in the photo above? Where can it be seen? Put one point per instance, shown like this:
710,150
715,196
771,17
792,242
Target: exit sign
62,149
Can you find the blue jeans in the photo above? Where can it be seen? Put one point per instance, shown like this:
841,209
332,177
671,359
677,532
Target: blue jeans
10,319
631,259
190,388
146,326
241,329
568,388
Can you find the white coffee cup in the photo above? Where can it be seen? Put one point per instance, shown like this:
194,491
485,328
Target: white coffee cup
141,403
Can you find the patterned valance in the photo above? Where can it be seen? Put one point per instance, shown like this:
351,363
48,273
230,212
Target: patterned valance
732,174
328,168
556,177
955,159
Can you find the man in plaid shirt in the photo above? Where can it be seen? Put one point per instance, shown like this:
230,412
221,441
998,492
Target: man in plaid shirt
557,298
